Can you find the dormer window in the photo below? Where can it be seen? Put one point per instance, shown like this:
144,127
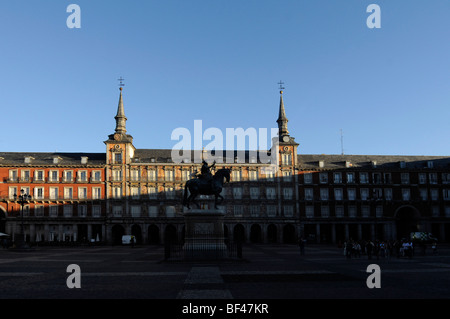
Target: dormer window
57,160
84,160
28,159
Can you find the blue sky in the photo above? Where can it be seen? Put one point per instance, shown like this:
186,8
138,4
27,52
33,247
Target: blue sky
219,61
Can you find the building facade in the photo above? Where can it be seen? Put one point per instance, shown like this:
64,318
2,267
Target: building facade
324,198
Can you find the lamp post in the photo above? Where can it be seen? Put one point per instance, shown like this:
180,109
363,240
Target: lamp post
23,199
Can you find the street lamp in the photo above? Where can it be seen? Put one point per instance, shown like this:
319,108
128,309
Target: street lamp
23,199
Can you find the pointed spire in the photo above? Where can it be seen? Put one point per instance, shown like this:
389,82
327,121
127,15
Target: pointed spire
282,119
120,117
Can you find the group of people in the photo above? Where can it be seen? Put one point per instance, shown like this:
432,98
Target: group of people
383,249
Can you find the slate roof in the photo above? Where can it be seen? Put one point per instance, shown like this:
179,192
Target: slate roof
18,158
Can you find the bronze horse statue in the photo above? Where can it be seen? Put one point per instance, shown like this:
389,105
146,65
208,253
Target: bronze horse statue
213,186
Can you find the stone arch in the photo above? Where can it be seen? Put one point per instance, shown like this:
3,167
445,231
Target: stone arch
407,219
153,234
255,234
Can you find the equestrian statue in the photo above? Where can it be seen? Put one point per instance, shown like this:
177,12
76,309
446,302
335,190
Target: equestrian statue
206,183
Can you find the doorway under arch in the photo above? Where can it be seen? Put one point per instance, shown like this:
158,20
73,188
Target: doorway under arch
255,234
153,234
407,221
117,232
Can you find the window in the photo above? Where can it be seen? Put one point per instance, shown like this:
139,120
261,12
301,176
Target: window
39,192
270,193
169,175
117,175
323,178
82,210
339,211
25,176
287,193
287,176
68,176
433,178
309,194
271,210
352,211
117,192
237,192
82,193
269,175
117,158
39,210
379,211
434,194
152,211
338,194
97,210
96,193
254,192
324,193
364,178
350,177
288,211
286,159
388,193
170,192
238,210
423,194
254,210
53,176
387,178
364,193
134,175
435,211
152,192
135,211
351,193
422,178
39,176
185,175
53,211
253,175
68,193
377,193
406,194
447,211
337,178
236,176
53,193
405,178
96,176
376,178
325,211
309,211
365,211
446,194
152,175
135,192
82,176
68,210
117,211
13,176
445,178
307,178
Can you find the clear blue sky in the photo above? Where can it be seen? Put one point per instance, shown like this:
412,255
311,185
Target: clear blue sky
220,61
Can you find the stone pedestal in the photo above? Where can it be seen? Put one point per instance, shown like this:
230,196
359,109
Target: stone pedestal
204,235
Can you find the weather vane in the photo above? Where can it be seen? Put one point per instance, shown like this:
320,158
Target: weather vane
121,82
281,86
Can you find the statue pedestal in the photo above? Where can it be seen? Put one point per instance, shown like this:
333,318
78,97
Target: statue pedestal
204,235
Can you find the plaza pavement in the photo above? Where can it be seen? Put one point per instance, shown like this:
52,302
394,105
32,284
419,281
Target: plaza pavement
266,272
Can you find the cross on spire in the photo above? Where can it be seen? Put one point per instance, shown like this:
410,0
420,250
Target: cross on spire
281,85
121,82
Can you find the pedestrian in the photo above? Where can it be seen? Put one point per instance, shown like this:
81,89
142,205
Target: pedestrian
369,249
434,247
301,244
132,241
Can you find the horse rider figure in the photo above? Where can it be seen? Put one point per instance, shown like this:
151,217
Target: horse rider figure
205,172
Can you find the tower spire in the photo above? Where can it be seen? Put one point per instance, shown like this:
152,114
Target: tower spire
282,119
120,116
